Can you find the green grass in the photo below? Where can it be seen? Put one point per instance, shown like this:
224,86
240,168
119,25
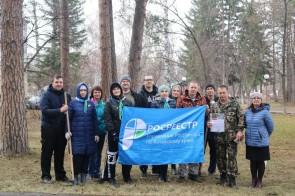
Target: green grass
22,173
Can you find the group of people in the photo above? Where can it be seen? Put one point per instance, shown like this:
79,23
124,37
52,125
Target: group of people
92,121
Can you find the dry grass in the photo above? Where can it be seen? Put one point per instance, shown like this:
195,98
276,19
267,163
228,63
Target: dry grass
22,173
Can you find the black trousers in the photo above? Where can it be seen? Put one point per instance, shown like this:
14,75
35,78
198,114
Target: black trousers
212,152
53,141
110,165
257,169
80,164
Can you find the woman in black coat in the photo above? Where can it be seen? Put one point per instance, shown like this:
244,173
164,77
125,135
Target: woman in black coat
112,118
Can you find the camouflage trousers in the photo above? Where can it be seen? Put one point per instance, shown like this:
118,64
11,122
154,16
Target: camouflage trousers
193,169
226,153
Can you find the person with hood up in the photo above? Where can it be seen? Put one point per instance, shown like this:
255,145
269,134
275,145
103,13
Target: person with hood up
84,131
259,127
112,118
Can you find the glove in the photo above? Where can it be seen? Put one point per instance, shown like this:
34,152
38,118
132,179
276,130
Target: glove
115,137
68,135
96,138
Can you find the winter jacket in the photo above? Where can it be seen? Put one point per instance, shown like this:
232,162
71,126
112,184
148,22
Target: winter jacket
147,96
83,125
184,101
50,104
139,99
159,103
99,107
111,114
259,126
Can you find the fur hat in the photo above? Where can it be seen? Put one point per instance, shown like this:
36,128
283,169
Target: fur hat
210,85
256,94
125,77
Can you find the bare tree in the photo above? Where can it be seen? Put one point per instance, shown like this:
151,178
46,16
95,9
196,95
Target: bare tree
106,51
13,123
136,42
64,42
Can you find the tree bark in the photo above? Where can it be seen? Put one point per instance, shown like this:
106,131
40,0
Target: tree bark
13,123
64,43
105,46
135,67
113,51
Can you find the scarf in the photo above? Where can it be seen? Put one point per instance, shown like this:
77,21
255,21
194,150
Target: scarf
85,103
166,105
120,106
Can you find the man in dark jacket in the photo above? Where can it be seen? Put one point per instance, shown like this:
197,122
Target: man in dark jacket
148,91
211,98
53,121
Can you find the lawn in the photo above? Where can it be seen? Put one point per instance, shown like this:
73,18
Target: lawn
22,173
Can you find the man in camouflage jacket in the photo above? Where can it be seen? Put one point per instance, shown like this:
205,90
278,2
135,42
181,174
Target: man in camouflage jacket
226,142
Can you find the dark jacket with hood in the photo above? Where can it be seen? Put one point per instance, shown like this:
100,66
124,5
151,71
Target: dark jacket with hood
111,112
147,96
50,104
83,124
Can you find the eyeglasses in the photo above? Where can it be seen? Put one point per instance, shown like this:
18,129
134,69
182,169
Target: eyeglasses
148,80
256,98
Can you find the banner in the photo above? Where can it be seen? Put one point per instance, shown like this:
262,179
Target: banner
162,136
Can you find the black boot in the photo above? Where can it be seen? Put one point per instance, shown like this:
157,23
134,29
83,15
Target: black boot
76,180
232,182
194,178
223,179
253,184
83,178
259,183
181,179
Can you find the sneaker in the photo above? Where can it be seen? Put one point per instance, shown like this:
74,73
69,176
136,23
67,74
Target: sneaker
113,182
161,179
143,175
46,180
64,179
154,174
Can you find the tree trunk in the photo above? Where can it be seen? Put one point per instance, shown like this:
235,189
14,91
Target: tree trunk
166,51
105,46
134,67
13,123
113,51
284,56
64,43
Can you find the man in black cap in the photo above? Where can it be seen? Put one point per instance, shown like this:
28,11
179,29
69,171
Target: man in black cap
211,98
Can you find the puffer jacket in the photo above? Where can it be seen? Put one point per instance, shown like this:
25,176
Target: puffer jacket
259,126
159,103
50,104
83,125
111,114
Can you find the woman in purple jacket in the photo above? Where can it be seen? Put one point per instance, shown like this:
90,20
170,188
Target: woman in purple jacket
259,127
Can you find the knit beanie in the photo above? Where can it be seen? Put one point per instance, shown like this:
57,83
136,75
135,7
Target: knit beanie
114,85
164,86
210,85
256,94
125,77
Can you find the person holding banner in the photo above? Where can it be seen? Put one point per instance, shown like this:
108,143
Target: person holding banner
174,94
84,131
53,122
259,127
192,98
229,136
112,118
166,103
148,91
211,98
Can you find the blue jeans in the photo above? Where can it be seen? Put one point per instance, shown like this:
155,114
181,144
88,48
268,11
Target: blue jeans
95,159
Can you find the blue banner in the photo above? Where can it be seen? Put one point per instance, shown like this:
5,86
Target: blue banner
162,136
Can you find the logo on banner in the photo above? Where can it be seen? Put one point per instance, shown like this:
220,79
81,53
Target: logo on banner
134,129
